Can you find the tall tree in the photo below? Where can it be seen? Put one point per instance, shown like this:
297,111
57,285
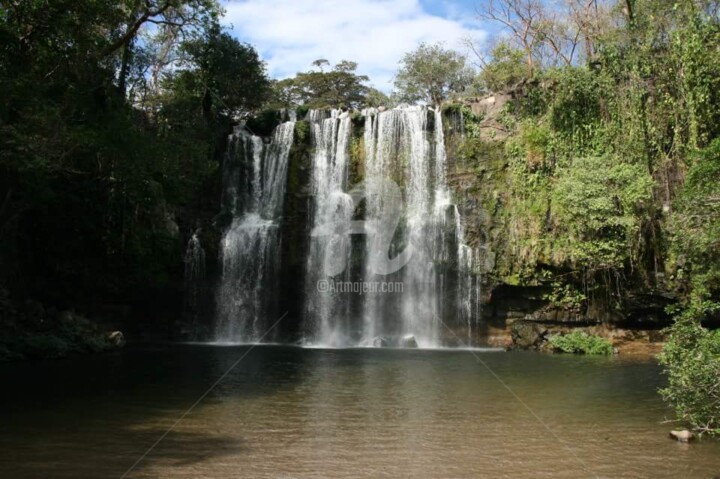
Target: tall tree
431,73
522,18
339,87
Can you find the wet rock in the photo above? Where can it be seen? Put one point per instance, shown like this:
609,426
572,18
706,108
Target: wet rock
408,341
116,339
379,342
682,436
527,335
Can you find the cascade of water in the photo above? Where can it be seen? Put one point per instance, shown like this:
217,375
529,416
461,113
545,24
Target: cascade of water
250,246
194,276
405,145
328,315
465,290
397,147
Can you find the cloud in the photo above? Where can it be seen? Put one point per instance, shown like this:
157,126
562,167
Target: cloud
290,34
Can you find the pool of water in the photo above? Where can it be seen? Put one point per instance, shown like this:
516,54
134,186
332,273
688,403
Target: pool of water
286,412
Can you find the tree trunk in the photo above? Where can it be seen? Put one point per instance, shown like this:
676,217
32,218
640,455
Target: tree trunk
124,66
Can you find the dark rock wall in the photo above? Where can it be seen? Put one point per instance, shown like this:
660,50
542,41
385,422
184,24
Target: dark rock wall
513,287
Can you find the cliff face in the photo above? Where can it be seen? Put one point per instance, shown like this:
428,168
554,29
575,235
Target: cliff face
519,275
296,230
524,272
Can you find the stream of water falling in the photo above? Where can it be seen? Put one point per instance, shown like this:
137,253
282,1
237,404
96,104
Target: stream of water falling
254,188
327,315
403,146
404,150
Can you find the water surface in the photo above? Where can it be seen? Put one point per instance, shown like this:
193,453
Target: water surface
300,413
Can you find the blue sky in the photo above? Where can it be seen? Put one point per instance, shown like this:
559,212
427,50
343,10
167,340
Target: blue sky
290,34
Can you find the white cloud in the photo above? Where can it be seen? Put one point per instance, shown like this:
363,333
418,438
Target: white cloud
290,34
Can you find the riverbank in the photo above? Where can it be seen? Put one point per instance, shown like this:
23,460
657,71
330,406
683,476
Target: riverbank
31,331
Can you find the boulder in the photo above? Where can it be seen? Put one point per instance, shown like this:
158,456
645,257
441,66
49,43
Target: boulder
116,339
408,341
379,342
682,436
527,334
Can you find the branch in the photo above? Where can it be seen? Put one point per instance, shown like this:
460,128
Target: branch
132,30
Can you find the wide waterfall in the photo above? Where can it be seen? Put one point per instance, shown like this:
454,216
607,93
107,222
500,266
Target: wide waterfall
399,146
254,188
378,214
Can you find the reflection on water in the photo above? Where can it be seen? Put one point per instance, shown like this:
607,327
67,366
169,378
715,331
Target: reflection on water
290,412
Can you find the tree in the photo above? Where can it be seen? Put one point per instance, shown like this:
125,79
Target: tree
229,75
176,15
339,87
108,127
431,73
522,18
505,69
548,34
691,361
375,98
602,202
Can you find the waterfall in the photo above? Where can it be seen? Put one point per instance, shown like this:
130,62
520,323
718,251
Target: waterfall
405,145
396,226
397,147
327,313
255,176
194,276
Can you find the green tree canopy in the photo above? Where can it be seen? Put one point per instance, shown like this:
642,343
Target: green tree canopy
341,86
227,76
505,69
107,128
600,203
431,73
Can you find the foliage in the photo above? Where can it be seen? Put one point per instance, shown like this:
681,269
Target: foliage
229,78
691,358
580,342
601,203
375,98
339,87
462,114
107,130
505,70
613,165
695,228
432,73
565,296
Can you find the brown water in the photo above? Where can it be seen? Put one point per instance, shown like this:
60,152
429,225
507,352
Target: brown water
298,413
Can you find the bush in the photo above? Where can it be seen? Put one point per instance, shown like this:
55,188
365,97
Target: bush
691,359
581,342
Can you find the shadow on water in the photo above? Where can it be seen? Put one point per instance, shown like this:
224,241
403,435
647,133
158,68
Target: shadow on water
94,416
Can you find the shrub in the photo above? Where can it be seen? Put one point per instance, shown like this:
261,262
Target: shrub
691,359
264,123
581,342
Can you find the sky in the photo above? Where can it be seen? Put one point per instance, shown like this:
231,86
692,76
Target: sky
291,34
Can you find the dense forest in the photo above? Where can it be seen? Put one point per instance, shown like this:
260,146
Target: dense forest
114,118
